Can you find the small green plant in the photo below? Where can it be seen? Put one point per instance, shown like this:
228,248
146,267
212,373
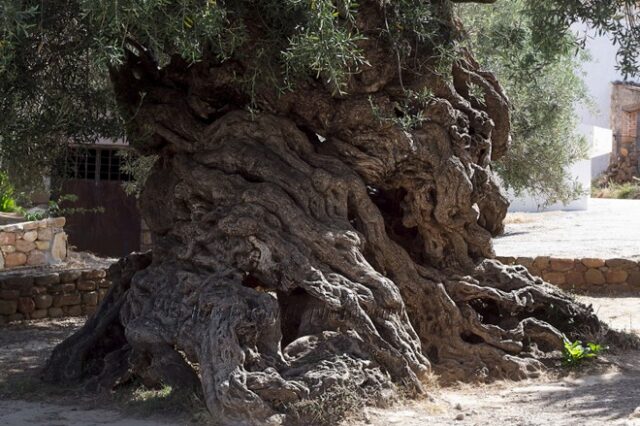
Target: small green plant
7,201
7,204
575,352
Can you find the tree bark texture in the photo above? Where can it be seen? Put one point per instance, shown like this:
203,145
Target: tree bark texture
317,244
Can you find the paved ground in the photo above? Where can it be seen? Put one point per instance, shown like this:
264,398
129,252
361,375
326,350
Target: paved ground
609,228
621,313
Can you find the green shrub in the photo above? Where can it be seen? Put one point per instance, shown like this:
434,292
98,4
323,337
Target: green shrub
625,191
575,353
7,201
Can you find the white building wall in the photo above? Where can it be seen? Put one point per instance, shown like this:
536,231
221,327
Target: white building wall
581,171
598,74
600,144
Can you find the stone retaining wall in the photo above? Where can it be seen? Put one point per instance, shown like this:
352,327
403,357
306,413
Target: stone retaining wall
584,275
36,295
41,242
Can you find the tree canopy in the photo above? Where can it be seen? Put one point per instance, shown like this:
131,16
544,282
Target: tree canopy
323,203
55,56
543,91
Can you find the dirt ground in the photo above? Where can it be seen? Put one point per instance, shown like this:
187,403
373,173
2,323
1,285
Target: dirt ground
25,400
608,395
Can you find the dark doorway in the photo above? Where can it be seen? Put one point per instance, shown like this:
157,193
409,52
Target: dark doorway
95,176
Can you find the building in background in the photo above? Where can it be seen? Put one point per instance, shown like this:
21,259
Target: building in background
600,123
625,122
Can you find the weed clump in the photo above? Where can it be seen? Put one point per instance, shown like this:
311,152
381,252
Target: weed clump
575,353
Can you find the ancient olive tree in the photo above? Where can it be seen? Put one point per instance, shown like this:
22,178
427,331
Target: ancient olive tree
322,204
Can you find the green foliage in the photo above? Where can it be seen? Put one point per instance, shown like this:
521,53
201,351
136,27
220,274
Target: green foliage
7,201
55,56
325,46
415,26
165,27
7,204
574,353
139,168
617,18
543,87
57,208
54,89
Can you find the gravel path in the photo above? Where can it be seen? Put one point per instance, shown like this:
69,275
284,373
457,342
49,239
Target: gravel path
608,229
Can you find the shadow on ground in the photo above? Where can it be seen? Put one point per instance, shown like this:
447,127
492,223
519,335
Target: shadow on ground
607,397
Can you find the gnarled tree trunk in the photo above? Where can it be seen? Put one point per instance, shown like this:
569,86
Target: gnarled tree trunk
317,243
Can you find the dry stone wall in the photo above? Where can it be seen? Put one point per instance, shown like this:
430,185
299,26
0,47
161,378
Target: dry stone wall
41,242
37,295
587,275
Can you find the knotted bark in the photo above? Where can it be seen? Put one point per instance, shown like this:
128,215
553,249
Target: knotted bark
318,243
280,274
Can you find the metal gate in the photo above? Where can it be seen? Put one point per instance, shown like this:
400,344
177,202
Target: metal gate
94,175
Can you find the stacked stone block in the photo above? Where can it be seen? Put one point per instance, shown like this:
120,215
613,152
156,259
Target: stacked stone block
592,275
625,110
41,242
51,294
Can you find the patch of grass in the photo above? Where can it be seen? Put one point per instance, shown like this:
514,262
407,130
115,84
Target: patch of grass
141,401
625,191
145,395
